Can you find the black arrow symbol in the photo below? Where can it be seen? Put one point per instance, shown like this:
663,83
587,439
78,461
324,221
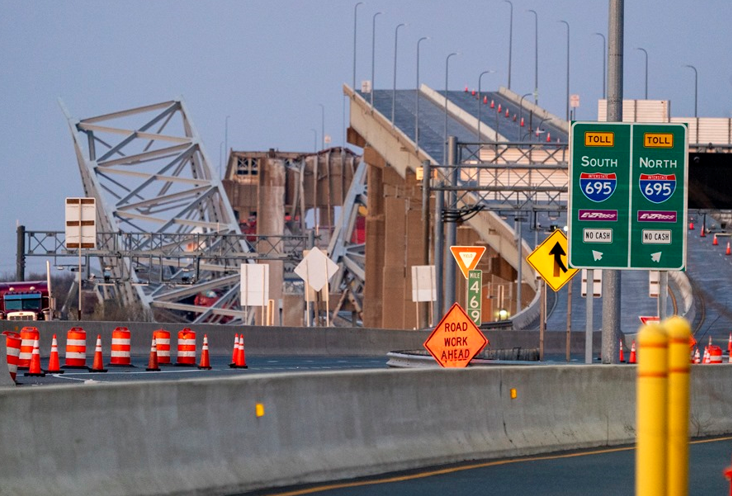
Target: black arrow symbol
558,253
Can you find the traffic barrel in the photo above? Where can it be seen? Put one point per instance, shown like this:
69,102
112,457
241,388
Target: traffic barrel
162,344
75,349
715,354
35,363
119,356
27,335
186,348
12,343
53,362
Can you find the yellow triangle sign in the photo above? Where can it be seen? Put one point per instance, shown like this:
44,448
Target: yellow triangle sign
467,257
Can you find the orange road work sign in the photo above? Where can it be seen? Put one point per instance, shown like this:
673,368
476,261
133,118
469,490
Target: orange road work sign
456,339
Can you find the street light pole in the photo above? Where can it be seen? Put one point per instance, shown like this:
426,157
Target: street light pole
355,25
480,81
226,138
536,56
447,69
565,22
416,99
696,88
373,58
604,61
510,42
645,52
322,125
521,109
393,92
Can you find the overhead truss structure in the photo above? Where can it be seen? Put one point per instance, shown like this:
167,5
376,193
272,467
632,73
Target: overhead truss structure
149,173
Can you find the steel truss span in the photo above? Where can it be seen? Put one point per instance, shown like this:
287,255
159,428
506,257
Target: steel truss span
149,172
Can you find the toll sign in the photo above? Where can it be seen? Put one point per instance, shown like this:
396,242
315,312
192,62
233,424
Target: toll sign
456,339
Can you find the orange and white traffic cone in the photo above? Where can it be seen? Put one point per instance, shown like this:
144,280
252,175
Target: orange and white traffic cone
242,354
235,353
727,251
622,355
205,360
632,358
98,363
152,365
714,240
34,370
691,225
54,366
702,232
697,357
705,358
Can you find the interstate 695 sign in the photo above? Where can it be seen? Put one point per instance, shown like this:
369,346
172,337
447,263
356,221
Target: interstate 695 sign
627,202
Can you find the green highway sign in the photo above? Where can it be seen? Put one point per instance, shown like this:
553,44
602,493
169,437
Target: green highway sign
627,195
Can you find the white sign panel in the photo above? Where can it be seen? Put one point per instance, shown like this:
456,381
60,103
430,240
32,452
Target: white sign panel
597,283
423,283
316,269
81,223
254,285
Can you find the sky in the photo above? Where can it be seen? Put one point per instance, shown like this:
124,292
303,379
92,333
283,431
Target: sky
269,65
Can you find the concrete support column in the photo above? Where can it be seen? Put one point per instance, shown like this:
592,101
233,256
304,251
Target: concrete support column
372,301
271,222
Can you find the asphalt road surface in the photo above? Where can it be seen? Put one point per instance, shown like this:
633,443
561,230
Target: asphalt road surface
599,472
220,368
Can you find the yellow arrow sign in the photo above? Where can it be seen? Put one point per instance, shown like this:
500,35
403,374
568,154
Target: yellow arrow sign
550,261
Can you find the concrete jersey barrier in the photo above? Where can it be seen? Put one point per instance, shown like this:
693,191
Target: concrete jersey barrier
205,436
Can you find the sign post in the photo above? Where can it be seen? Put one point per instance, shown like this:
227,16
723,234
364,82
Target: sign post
81,230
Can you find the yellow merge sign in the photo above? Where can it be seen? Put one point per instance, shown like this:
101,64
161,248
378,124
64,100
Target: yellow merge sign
550,260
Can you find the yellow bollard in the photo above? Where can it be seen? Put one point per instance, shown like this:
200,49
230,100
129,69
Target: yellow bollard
651,412
678,331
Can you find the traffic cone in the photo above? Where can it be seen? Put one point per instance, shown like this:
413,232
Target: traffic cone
548,137
205,361
236,350
727,251
54,366
632,358
98,364
242,354
152,365
466,88
508,113
729,343
35,362
697,357
493,103
499,108
485,100
702,232
472,92
714,240
622,355
522,122
705,359
691,225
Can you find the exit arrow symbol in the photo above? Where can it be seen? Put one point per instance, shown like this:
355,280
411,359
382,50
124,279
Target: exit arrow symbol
656,257
558,253
597,255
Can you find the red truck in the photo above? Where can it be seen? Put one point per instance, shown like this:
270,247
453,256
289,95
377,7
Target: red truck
26,300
